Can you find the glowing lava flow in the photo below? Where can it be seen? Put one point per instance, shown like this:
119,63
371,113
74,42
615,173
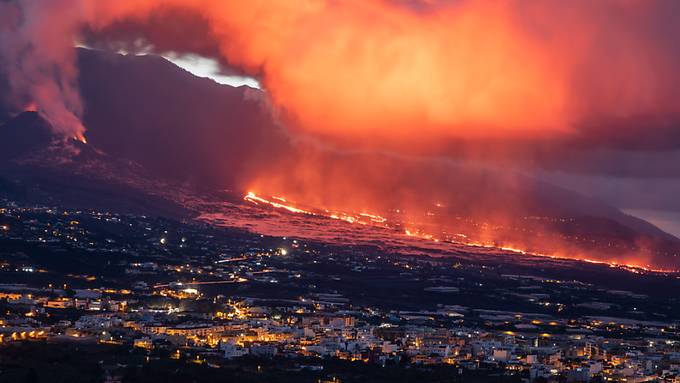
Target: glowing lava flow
463,240
637,269
374,218
254,198
80,137
283,203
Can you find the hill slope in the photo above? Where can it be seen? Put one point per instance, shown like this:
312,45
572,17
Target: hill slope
144,113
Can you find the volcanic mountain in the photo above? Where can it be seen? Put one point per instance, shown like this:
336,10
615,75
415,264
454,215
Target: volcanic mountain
39,167
153,126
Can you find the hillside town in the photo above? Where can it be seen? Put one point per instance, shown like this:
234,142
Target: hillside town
166,289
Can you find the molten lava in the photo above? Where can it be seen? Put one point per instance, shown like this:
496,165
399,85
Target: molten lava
457,239
80,137
360,218
254,198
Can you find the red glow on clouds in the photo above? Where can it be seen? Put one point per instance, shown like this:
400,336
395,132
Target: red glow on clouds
468,68
385,68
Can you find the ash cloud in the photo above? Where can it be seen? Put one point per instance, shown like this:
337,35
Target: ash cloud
401,70
37,61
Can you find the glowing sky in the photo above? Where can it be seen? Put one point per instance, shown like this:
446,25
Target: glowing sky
383,68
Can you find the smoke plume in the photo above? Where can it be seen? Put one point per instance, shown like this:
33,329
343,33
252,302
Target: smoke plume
37,60
383,68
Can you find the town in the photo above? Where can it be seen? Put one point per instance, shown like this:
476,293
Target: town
194,294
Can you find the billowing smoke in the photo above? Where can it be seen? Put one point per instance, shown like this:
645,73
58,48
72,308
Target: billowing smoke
37,60
386,68
366,71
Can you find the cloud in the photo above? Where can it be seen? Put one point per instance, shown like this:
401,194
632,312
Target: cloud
37,60
399,69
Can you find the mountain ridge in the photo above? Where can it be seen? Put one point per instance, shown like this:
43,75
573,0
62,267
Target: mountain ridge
144,110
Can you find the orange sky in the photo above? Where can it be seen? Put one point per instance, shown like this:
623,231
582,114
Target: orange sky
387,68
467,68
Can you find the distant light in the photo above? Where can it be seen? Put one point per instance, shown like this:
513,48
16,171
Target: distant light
283,251
164,241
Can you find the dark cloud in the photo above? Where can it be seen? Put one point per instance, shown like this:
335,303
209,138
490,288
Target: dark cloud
169,30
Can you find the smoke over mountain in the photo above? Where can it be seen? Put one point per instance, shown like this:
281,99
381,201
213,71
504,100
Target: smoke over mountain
38,61
446,80
383,68
210,137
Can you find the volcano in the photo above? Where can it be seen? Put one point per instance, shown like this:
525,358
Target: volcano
164,142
